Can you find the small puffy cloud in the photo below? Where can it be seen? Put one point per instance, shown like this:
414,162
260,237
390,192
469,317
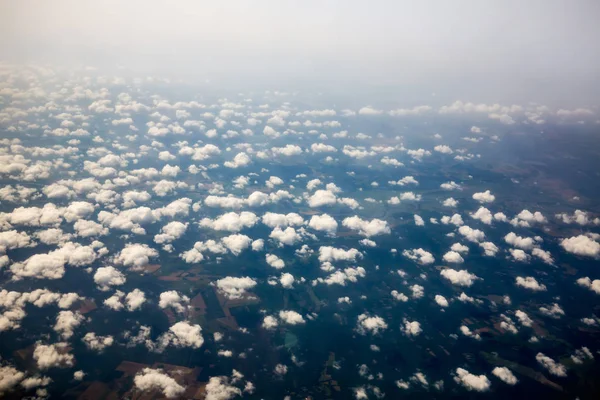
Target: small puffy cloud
219,388
322,198
106,277
530,283
291,317
341,277
411,328
368,110
135,299
270,322
552,366
66,322
453,257
581,245
418,220
233,287
274,261
154,379
52,356
593,285
289,236
484,197
505,375
578,217
441,300
236,243
367,228
419,255
525,243
451,185
526,218
478,383
171,232
459,278
331,254
518,255
240,160
444,149
484,215
370,324
273,220
172,299
84,228
472,235
324,223
523,318
136,255
97,343
287,280
450,202
231,221
182,334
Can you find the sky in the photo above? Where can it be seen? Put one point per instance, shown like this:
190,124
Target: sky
507,51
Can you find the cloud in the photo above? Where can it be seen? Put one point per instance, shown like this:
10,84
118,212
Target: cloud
472,235
581,245
451,185
291,317
274,261
366,228
270,322
518,241
444,149
173,299
530,283
478,383
421,256
441,300
579,217
523,318
233,287
322,198
459,278
289,236
232,222
10,377
135,255
52,356
236,243
171,232
240,160
66,322
370,324
273,220
484,197
453,257
324,223
135,299
287,280
368,110
84,228
341,277
97,343
181,334
219,388
105,277
552,366
593,285
411,328
154,379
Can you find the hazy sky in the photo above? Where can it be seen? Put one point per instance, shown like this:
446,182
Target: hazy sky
534,50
